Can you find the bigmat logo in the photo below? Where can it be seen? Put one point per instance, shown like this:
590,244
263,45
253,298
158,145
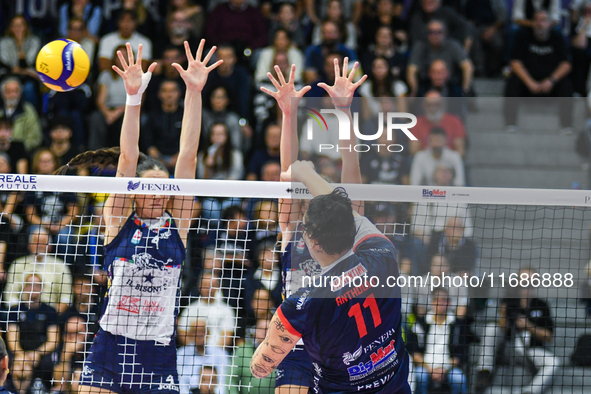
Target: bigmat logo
434,193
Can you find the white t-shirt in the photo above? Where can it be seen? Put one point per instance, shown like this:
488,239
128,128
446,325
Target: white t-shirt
436,344
218,316
111,41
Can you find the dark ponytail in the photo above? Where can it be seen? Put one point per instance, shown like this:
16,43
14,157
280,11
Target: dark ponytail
103,158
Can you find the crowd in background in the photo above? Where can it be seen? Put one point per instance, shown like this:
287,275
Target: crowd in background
409,48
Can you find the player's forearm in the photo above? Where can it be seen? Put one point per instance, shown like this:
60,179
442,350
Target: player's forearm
289,145
190,134
350,172
129,141
314,182
277,344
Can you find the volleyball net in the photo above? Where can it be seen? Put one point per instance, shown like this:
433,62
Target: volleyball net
490,249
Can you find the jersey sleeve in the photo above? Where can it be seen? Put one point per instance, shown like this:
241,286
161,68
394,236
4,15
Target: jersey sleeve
366,231
293,312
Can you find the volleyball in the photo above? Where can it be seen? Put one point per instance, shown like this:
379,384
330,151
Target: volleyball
62,65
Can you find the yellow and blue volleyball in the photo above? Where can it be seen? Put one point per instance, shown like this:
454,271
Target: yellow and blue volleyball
62,65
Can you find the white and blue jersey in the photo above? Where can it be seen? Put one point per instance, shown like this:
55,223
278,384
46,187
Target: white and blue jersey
135,349
353,333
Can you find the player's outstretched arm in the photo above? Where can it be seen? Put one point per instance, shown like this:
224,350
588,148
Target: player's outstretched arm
341,94
136,82
195,77
303,171
287,98
277,344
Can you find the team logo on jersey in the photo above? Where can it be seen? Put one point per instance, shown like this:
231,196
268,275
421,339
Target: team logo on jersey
137,237
348,358
129,304
169,385
379,359
146,261
310,267
301,246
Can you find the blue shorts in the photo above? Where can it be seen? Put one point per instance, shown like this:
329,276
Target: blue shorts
125,365
295,369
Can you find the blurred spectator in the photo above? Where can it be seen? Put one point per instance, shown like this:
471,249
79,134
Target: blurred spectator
269,153
524,11
384,17
161,134
266,216
193,15
42,16
525,323
380,166
381,83
241,134
267,274
105,123
453,244
126,32
580,48
78,32
220,160
234,78
86,303
334,13
197,353
60,135
316,55
24,378
165,72
26,125
84,10
210,381
14,149
18,50
178,30
281,44
439,81
457,26
427,338
540,68
435,115
56,210
32,324
235,239
73,106
458,295
488,18
209,306
438,46
69,354
242,380
271,171
148,22
10,223
286,19
54,274
318,10
385,47
426,161
237,23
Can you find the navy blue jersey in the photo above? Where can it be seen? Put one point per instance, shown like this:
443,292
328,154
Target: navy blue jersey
144,266
353,333
296,262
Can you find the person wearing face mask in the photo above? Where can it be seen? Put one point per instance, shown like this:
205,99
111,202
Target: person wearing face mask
426,161
435,115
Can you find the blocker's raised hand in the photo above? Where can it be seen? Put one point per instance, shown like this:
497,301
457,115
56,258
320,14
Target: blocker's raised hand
343,89
195,76
134,78
285,90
